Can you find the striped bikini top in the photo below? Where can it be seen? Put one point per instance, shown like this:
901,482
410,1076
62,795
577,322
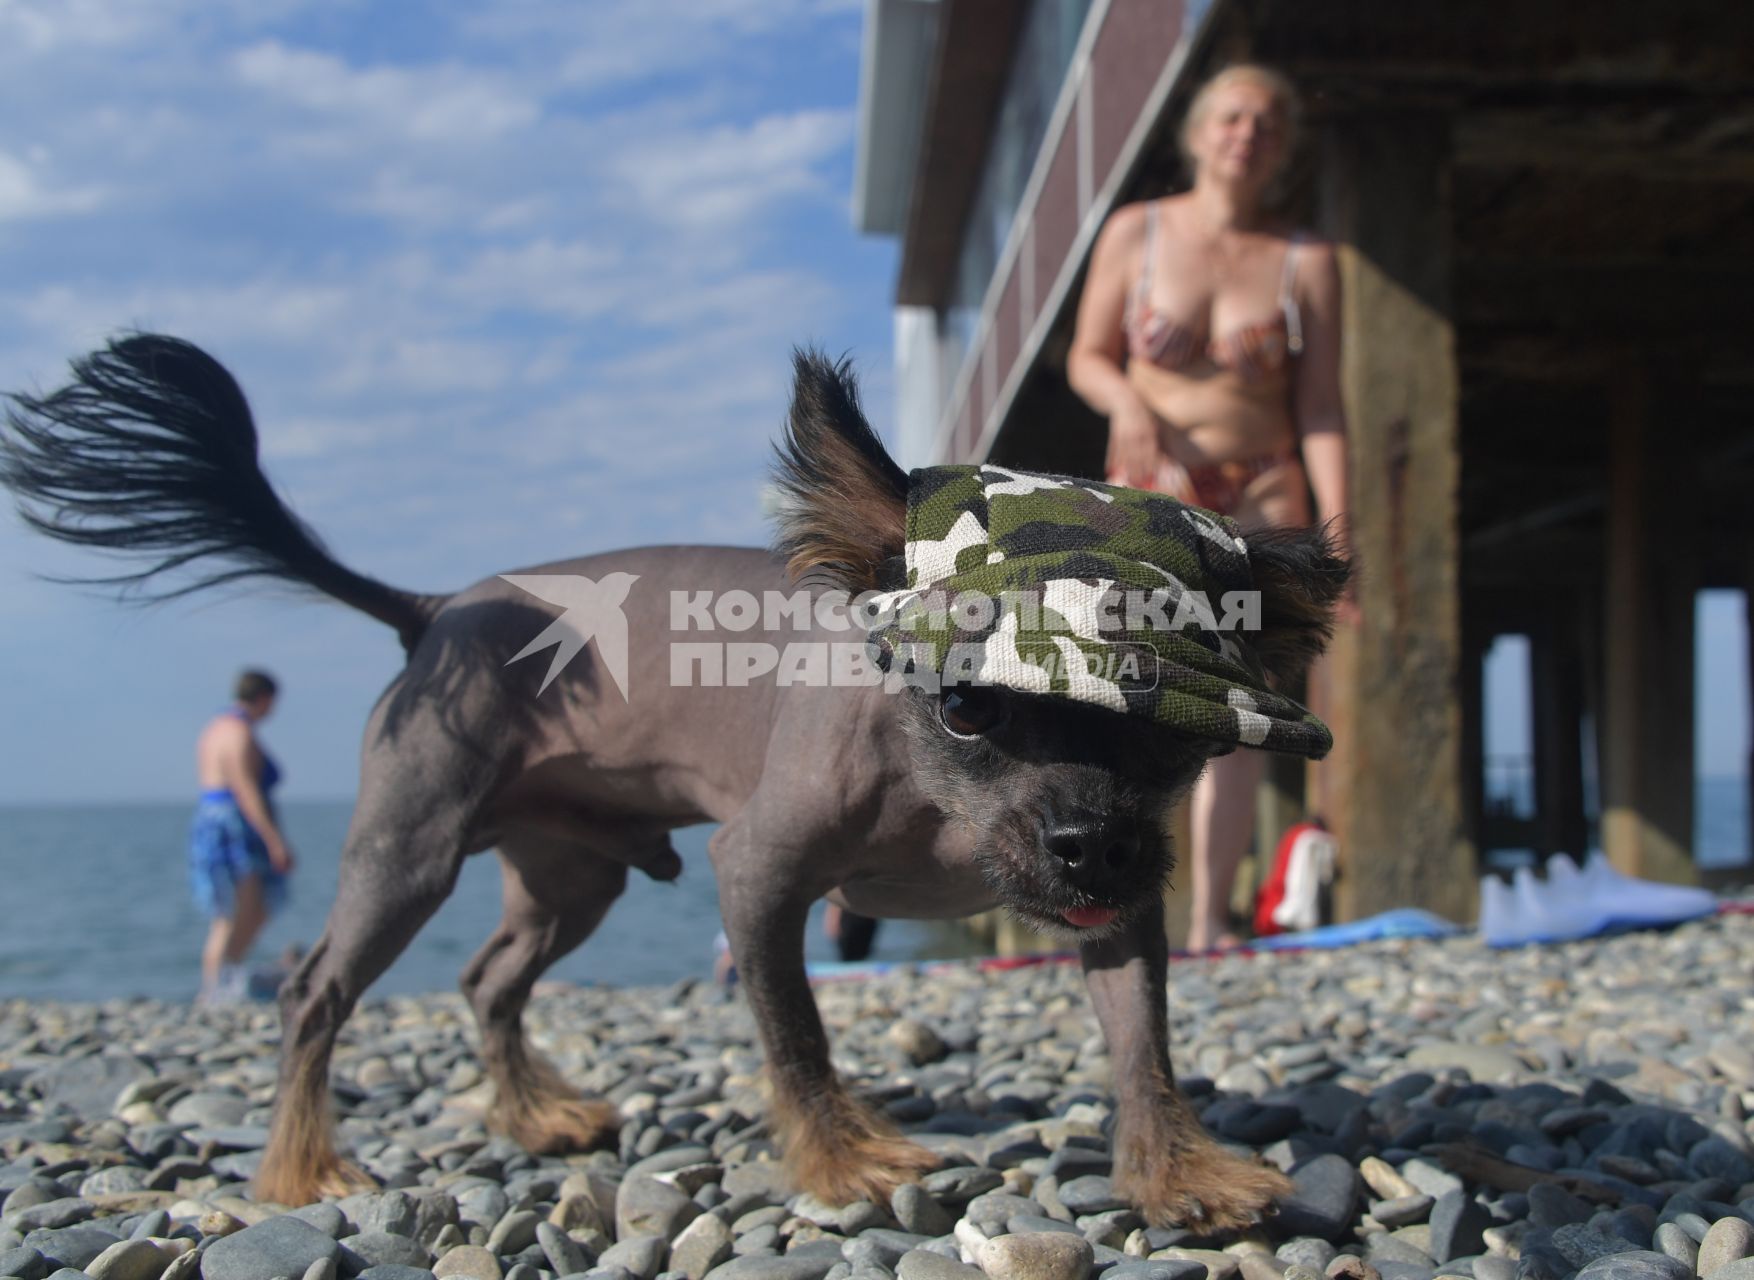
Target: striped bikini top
1255,352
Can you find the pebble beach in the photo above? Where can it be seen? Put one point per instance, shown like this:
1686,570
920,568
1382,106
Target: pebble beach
1540,1114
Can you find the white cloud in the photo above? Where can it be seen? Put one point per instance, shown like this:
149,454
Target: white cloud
24,195
434,104
612,44
573,279
31,29
40,28
726,173
270,308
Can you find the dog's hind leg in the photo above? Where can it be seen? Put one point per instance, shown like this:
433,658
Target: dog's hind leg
556,893
400,862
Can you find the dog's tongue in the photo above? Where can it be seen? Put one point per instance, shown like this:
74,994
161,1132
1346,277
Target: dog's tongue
1089,917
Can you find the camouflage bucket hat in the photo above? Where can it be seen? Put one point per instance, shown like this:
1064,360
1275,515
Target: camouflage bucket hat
1067,588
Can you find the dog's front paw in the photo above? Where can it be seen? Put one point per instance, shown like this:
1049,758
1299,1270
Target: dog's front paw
310,1176
559,1125
839,1151
868,1167
1196,1183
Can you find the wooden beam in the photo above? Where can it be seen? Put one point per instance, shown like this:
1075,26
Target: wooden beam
1558,722
1644,299
1685,46
1566,559
1559,360
1540,215
1532,357
1478,629
1647,723
1691,142
1384,190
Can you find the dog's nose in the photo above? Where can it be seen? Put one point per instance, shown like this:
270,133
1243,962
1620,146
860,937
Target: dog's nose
1095,849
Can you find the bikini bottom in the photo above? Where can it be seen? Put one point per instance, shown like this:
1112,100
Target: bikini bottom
1217,486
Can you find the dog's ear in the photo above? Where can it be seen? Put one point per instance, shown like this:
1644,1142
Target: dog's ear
844,501
1300,577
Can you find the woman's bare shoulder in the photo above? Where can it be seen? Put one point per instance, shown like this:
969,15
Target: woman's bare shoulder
1123,231
1119,241
1318,264
1310,242
1131,214
226,728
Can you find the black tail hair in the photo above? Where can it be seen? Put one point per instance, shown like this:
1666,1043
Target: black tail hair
151,447
845,499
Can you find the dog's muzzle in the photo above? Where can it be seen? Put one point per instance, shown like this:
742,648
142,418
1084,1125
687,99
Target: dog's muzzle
1095,854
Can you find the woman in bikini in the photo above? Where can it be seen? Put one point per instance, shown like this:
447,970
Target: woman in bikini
238,859
1209,336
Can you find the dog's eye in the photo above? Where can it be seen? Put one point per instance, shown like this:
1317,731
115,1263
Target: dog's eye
968,711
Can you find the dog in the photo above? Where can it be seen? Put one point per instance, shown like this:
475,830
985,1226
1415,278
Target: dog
893,799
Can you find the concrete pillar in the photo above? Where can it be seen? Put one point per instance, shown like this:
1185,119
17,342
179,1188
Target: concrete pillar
1393,687
1652,580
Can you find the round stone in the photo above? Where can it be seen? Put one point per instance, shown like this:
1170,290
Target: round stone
128,1260
1091,1193
1306,1251
472,1262
641,1255
1551,1205
1635,1264
923,1264
918,1212
280,1246
1677,1244
1162,1269
25,1264
210,1110
790,1267
1729,1240
918,1042
48,1215
382,1249
325,1217
73,1246
1038,1256
1323,1200
1402,1211
646,1207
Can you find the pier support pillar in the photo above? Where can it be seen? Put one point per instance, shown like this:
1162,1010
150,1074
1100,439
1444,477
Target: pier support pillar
1393,788
1651,583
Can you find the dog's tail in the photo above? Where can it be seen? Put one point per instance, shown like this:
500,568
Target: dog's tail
151,448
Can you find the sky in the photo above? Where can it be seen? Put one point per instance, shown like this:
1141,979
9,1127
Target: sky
504,282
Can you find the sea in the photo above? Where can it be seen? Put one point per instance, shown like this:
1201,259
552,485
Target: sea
96,905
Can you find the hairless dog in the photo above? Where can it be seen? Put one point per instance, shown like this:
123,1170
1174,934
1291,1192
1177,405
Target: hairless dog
894,799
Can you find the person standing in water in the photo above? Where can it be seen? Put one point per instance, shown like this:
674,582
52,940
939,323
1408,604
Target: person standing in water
238,859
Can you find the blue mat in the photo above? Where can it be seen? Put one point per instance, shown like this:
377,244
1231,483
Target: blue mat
1407,922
